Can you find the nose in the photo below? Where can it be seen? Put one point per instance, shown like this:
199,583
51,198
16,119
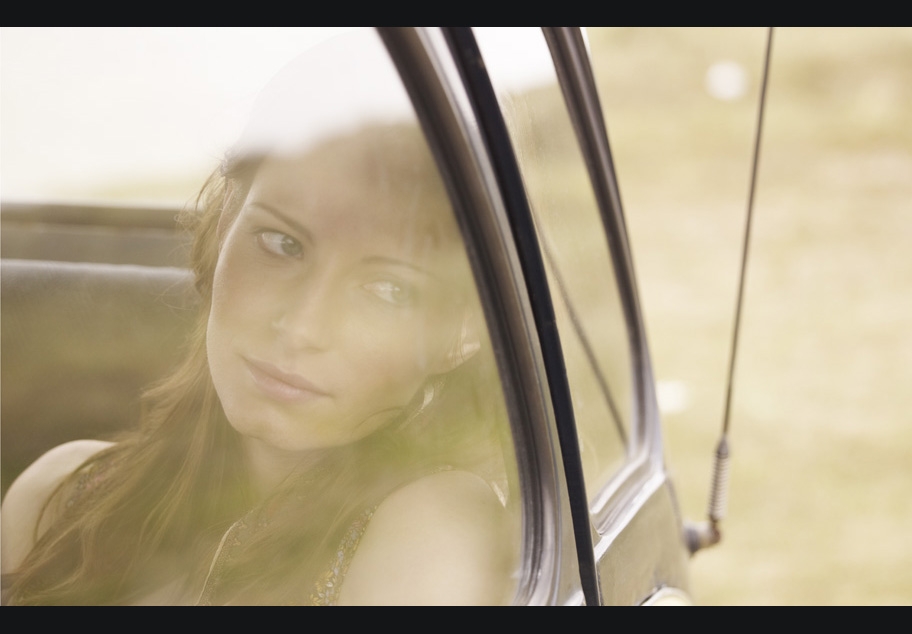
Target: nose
306,315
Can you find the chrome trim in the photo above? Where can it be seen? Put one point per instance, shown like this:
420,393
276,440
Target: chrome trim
667,596
575,599
444,108
635,490
645,549
571,62
628,504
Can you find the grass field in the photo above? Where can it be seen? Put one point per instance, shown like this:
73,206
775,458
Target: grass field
821,491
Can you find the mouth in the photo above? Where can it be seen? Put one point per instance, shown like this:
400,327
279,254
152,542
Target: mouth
281,385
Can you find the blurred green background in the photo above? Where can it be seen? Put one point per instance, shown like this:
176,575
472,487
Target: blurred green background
821,492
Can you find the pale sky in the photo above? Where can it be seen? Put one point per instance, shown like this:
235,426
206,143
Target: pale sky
85,109
78,105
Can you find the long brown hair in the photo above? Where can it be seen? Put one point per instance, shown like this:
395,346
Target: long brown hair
154,506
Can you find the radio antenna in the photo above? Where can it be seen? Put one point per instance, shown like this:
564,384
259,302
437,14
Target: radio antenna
707,533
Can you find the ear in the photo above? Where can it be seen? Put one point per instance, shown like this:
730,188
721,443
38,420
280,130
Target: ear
467,345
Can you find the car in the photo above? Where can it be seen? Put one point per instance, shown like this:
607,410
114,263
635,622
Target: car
97,298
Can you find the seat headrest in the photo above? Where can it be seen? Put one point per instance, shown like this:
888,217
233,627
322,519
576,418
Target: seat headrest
79,343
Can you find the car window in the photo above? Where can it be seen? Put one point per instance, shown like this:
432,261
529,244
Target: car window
572,237
340,272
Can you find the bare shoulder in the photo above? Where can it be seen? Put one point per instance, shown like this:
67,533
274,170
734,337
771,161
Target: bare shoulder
443,539
30,492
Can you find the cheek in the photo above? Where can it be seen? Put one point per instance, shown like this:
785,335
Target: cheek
404,350
238,301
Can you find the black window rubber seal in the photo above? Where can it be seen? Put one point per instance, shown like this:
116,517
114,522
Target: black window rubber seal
467,57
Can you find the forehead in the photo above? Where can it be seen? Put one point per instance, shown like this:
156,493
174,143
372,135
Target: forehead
365,193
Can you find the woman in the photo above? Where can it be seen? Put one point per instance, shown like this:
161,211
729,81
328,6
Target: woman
332,436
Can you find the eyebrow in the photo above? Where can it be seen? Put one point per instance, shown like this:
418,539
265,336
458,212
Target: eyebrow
382,259
291,222
305,232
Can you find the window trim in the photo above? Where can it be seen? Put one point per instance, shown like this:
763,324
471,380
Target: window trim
432,70
500,148
575,75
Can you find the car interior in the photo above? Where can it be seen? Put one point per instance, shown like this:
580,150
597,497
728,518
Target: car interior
80,340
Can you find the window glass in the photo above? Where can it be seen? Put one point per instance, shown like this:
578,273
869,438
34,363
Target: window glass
338,433
572,237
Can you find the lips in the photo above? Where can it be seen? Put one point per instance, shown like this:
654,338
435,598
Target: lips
282,385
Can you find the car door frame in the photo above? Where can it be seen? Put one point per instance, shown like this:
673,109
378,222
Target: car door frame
445,75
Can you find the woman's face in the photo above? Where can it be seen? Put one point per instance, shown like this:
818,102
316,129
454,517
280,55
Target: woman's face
330,309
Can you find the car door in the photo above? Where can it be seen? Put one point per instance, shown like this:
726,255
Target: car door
531,97
552,147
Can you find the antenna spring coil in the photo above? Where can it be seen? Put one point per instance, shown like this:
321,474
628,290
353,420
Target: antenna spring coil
718,498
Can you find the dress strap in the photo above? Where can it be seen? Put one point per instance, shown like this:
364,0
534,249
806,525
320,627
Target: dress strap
329,584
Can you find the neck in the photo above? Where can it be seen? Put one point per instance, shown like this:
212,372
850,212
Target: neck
269,467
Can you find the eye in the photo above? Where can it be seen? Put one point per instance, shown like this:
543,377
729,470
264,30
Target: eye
278,243
392,292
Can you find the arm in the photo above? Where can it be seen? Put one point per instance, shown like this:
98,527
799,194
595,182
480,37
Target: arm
30,492
440,540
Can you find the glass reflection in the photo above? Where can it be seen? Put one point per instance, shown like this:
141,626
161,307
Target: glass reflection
336,433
